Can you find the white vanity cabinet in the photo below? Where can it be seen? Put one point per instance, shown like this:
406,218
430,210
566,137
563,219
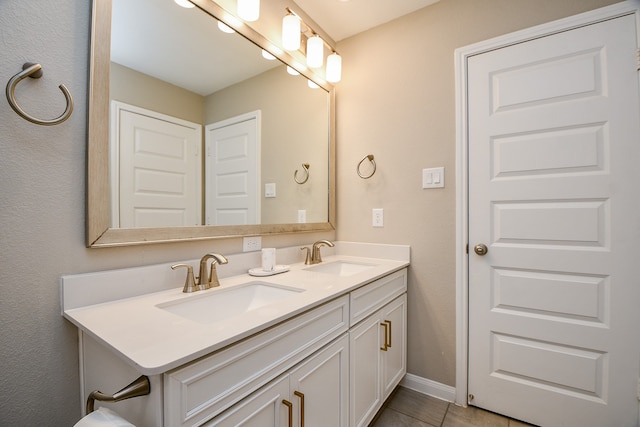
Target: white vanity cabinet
201,390
313,394
320,367
377,345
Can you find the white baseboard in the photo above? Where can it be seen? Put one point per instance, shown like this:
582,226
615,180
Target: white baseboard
428,387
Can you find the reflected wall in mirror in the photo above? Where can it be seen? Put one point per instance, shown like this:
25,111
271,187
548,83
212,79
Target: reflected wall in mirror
201,126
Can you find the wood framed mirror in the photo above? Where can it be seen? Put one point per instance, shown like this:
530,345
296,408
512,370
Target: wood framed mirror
277,165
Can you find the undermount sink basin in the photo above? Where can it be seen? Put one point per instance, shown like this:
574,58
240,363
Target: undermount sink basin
219,304
340,268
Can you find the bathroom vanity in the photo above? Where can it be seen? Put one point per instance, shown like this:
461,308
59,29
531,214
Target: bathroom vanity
320,345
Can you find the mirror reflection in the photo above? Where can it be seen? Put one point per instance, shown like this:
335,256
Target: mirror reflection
205,130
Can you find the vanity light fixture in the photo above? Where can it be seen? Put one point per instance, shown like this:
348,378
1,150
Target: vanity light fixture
185,3
314,50
249,10
334,68
291,32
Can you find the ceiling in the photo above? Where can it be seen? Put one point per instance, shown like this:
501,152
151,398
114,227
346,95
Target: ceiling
341,19
180,46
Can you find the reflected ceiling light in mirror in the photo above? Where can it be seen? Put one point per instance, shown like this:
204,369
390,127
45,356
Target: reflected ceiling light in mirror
292,71
315,51
185,3
267,55
291,32
225,28
312,84
249,10
334,68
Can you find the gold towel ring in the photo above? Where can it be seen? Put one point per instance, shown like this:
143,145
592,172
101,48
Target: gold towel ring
373,162
305,167
35,72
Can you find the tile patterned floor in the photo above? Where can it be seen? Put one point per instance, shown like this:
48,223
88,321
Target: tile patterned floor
408,408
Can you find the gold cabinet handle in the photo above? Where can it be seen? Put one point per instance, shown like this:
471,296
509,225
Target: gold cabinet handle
301,396
390,332
290,408
385,325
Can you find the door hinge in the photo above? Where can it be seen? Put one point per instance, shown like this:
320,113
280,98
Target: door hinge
638,59
638,390
467,248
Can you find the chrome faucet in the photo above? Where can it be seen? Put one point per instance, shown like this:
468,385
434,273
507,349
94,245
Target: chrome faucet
204,280
316,257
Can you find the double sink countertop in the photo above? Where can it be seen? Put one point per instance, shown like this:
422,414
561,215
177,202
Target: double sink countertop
155,331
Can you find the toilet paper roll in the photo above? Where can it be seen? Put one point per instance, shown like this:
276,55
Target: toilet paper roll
268,259
103,417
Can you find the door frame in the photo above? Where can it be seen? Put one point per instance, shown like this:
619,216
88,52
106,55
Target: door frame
462,55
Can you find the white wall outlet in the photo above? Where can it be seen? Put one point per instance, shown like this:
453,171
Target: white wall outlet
270,189
433,178
378,217
251,243
302,216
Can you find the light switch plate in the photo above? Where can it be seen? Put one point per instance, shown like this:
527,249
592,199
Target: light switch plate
270,189
433,178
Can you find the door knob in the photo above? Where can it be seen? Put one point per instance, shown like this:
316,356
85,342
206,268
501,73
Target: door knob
480,249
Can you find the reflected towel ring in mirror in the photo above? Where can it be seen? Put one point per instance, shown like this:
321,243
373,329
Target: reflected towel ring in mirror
35,72
305,167
373,162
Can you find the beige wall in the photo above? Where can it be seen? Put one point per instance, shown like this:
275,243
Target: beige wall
294,131
396,101
135,88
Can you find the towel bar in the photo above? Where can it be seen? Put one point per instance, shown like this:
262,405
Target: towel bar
139,387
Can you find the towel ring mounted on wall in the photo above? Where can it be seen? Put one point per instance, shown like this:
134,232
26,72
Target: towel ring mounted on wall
373,162
35,72
305,168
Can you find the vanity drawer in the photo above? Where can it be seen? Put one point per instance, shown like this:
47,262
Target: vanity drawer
371,297
202,389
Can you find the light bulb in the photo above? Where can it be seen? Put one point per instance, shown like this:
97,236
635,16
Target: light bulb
291,32
312,84
292,71
315,52
334,68
249,10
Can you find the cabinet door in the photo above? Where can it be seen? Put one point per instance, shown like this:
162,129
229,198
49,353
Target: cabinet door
365,355
264,408
394,359
319,387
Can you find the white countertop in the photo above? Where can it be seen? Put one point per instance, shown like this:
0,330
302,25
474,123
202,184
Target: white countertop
154,340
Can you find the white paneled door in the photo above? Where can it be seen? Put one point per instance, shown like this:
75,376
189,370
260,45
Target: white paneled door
554,196
232,171
156,169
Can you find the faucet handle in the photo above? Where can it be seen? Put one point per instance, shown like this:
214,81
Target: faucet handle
189,283
213,275
307,259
